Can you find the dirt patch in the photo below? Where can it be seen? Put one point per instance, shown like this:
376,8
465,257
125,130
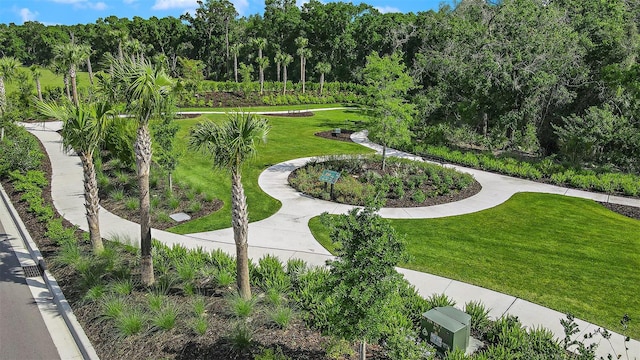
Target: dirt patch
292,114
343,135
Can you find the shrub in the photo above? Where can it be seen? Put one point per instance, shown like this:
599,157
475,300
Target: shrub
419,197
241,336
439,300
281,317
479,316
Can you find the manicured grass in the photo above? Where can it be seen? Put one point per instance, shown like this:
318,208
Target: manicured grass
49,79
290,138
569,254
267,108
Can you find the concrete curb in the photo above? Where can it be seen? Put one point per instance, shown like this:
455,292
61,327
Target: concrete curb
79,336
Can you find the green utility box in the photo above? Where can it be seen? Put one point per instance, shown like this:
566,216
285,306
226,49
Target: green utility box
447,328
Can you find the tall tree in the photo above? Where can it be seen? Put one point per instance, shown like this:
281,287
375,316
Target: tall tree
304,53
71,55
388,84
286,60
230,145
322,68
210,34
147,89
363,281
37,74
235,51
278,60
83,129
8,68
262,62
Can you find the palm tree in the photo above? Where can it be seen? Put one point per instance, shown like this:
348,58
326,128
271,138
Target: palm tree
37,74
278,60
147,89
83,128
235,50
304,53
261,43
71,55
286,60
323,68
230,145
8,68
263,63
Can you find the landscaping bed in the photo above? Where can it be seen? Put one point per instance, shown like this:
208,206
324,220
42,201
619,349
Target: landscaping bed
402,183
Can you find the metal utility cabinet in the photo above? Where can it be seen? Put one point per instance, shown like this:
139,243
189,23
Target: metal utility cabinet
447,328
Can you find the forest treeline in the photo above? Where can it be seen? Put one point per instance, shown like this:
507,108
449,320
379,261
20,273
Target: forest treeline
539,76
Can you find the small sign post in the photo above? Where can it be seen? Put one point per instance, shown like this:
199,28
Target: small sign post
329,177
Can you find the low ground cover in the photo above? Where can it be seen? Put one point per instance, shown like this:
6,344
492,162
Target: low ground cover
403,183
569,254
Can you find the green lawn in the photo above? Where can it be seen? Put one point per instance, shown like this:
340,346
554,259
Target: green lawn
267,108
569,254
290,138
49,79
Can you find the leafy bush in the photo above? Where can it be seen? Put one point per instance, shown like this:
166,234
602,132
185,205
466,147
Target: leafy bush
439,300
479,316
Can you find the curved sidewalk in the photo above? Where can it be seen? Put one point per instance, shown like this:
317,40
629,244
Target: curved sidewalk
286,233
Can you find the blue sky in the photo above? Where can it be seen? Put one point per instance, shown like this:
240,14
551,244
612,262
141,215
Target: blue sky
70,12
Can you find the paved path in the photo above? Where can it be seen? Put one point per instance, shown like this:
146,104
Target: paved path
287,235
31,325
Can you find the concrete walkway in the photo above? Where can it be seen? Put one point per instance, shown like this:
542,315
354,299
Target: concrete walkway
287,235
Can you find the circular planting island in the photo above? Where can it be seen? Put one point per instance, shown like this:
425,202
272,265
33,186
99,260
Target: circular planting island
402,182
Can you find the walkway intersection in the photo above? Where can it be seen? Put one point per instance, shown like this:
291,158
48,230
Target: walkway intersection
287,235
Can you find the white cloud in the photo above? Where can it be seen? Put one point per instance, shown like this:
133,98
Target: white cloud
27,15
174,4
241,6
83,4
387,9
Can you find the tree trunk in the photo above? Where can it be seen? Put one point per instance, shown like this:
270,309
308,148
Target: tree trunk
485,124
65,79
170,180
74,85
302,63
3,96
284,80
240,223
143,161
261,80
39,89
384,156
278,71
321,82
235,67
363,350
92,202
89,69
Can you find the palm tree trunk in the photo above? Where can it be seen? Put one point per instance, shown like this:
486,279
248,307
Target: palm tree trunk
363,350
240,223
89,69
235,67
284,80
302,72
3,104
39,89
261,80
3,96
74,85
65,79
143,161
278,71
321,82
92,202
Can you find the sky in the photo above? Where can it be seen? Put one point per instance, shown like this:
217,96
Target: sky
71,12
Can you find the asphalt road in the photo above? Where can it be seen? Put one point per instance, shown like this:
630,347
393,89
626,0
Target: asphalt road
23,333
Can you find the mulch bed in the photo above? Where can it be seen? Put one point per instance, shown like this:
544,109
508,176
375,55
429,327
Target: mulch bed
344,135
